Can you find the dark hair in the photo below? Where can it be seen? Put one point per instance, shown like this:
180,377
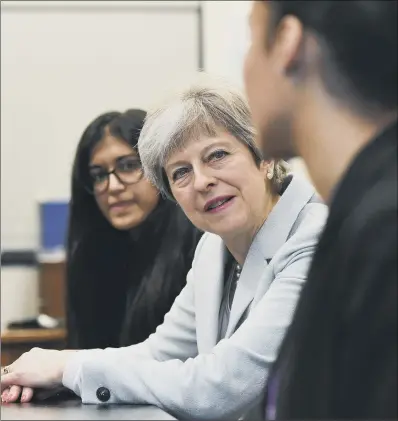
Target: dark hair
120,284
359,48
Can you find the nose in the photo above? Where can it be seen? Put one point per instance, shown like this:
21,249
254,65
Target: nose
203,179
115,184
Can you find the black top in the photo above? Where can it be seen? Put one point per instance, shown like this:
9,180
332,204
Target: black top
339,358
120,286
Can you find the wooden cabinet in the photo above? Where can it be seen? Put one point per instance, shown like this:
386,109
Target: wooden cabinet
52,302
15,342
52,289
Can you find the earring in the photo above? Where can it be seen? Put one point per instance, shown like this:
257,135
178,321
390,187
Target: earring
270,174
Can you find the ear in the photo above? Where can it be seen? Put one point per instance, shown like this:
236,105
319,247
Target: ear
287,44
271,170
264,167
268,169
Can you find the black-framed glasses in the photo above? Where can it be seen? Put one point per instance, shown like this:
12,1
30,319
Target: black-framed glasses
128,170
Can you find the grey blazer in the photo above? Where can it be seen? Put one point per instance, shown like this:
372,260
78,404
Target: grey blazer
181,368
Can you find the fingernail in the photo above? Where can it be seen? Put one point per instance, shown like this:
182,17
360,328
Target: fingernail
23,397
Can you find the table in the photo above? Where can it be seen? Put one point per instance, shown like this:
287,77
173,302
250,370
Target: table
17,336
75,410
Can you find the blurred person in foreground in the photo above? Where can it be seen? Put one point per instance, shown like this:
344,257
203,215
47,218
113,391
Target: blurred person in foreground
321,78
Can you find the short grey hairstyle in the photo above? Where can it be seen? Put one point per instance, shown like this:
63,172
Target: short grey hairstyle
203,109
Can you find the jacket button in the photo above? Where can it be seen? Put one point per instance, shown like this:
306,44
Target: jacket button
103,394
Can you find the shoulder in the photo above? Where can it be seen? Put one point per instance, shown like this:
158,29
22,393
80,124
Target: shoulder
303,237
368,252
372,224
308,226
369,235
311,220
207,244
379,202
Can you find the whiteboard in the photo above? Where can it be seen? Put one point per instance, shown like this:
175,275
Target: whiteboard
64,63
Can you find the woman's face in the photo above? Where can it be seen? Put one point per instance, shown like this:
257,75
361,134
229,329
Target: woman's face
219,186
125,202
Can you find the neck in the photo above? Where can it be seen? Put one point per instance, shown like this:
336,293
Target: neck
239,244
330,140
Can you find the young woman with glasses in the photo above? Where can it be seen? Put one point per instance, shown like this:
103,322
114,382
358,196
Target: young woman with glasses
128,249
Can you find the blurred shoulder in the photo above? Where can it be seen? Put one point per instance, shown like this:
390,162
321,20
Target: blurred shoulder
304,235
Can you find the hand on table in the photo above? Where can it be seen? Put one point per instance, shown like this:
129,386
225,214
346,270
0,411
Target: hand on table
42,368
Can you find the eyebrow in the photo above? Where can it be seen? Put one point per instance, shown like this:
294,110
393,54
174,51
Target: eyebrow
132,155
202,152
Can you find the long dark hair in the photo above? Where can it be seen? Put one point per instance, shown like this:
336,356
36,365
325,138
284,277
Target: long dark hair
120,284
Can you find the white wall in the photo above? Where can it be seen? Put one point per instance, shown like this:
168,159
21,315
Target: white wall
226,35
62,64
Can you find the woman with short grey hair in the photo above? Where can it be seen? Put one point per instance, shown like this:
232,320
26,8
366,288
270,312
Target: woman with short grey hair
211,357
201,110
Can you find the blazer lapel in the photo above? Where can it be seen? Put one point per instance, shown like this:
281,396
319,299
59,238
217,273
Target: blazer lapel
252,272
271,236
208,292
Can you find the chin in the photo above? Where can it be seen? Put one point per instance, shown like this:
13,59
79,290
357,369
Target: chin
227,230
124,225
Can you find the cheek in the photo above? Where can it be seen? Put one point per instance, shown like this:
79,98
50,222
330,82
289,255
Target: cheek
147,197
255,83
248,71
102,202
186,201
252,186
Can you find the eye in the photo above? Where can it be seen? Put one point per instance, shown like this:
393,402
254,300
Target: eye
98,175
179,173
217,155
128,165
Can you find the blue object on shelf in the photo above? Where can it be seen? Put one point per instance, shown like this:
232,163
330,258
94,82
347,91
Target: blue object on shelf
54,222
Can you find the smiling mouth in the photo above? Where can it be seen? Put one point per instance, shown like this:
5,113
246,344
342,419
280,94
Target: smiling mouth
218,204
121,205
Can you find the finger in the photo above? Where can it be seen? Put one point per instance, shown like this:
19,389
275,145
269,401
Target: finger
8,380
27,394
4,395
14,394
